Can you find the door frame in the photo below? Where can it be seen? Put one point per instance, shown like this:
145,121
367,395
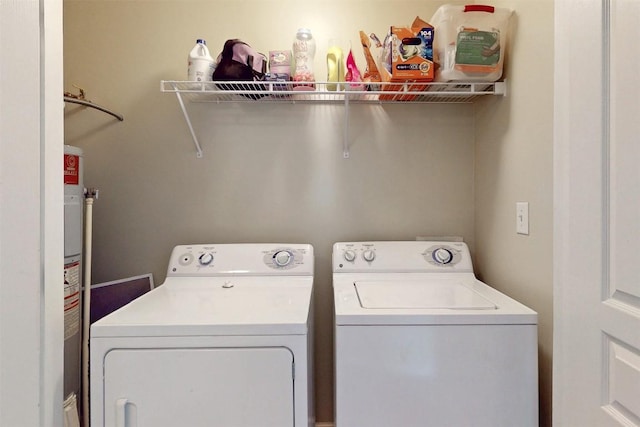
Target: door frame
31,214
578,219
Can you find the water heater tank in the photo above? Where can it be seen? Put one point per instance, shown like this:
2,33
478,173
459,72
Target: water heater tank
73,217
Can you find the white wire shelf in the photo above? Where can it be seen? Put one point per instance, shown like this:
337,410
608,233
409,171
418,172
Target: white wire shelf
289,92
320,93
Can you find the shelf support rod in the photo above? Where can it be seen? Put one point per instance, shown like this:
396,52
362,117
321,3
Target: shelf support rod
186,118
345,141
86,103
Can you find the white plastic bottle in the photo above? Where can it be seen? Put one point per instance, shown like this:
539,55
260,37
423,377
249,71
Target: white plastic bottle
201,64
304,51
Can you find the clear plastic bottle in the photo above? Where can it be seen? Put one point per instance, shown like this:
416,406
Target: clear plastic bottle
304,51
201,64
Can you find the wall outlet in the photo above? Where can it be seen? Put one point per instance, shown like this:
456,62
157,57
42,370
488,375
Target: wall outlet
522,218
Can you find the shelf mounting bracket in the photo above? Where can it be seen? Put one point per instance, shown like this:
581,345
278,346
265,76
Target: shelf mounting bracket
500,88
345,141
186,118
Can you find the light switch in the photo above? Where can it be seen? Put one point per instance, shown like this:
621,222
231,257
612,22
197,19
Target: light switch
522,218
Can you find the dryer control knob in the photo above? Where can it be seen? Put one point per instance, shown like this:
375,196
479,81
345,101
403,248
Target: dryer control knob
206,258
282,258
349,255
369,255
442,256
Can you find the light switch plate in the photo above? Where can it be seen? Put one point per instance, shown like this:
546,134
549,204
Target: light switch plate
522,218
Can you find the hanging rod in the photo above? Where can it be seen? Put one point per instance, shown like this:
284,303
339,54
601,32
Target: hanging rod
92,105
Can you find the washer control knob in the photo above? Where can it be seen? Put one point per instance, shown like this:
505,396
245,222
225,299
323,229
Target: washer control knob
206,258
442,256
350,255
282,258
369,255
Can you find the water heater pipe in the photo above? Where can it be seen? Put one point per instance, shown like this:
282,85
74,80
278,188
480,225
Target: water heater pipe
90,195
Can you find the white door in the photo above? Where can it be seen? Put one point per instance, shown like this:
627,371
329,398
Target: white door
597,219
199,387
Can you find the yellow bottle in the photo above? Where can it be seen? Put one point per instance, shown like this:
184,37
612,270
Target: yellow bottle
335,66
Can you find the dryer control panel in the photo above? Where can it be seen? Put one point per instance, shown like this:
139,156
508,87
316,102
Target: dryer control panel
409,256
257,259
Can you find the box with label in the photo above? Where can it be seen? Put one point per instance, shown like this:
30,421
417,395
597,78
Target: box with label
283,78
410,60
279,68
280,62
412,52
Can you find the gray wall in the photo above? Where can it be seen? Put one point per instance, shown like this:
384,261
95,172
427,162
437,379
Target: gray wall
269,173
514,163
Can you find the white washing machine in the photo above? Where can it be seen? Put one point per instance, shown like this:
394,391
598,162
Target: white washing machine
226,341
420,342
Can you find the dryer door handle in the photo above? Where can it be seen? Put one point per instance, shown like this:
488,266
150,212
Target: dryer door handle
121,412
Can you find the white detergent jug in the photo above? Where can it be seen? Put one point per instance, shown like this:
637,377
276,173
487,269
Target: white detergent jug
201,64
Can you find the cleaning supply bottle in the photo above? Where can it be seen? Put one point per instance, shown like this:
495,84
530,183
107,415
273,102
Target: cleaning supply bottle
304,50
335,65
201,64
353,76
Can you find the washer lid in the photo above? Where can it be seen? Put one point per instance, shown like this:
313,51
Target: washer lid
390,294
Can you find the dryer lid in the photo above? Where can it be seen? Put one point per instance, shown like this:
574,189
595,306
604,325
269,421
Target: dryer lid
391,294
209,306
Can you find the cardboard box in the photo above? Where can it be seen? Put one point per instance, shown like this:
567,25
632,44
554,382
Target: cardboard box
280,62
279,69
412,52
284,78
411,60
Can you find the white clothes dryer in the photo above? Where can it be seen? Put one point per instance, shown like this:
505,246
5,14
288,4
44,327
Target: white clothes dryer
226,340
420,342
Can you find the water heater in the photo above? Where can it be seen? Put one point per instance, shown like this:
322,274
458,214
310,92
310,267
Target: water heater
73,229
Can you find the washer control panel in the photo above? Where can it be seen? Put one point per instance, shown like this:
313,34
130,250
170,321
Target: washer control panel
409,256
443,255
241,259
358,252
